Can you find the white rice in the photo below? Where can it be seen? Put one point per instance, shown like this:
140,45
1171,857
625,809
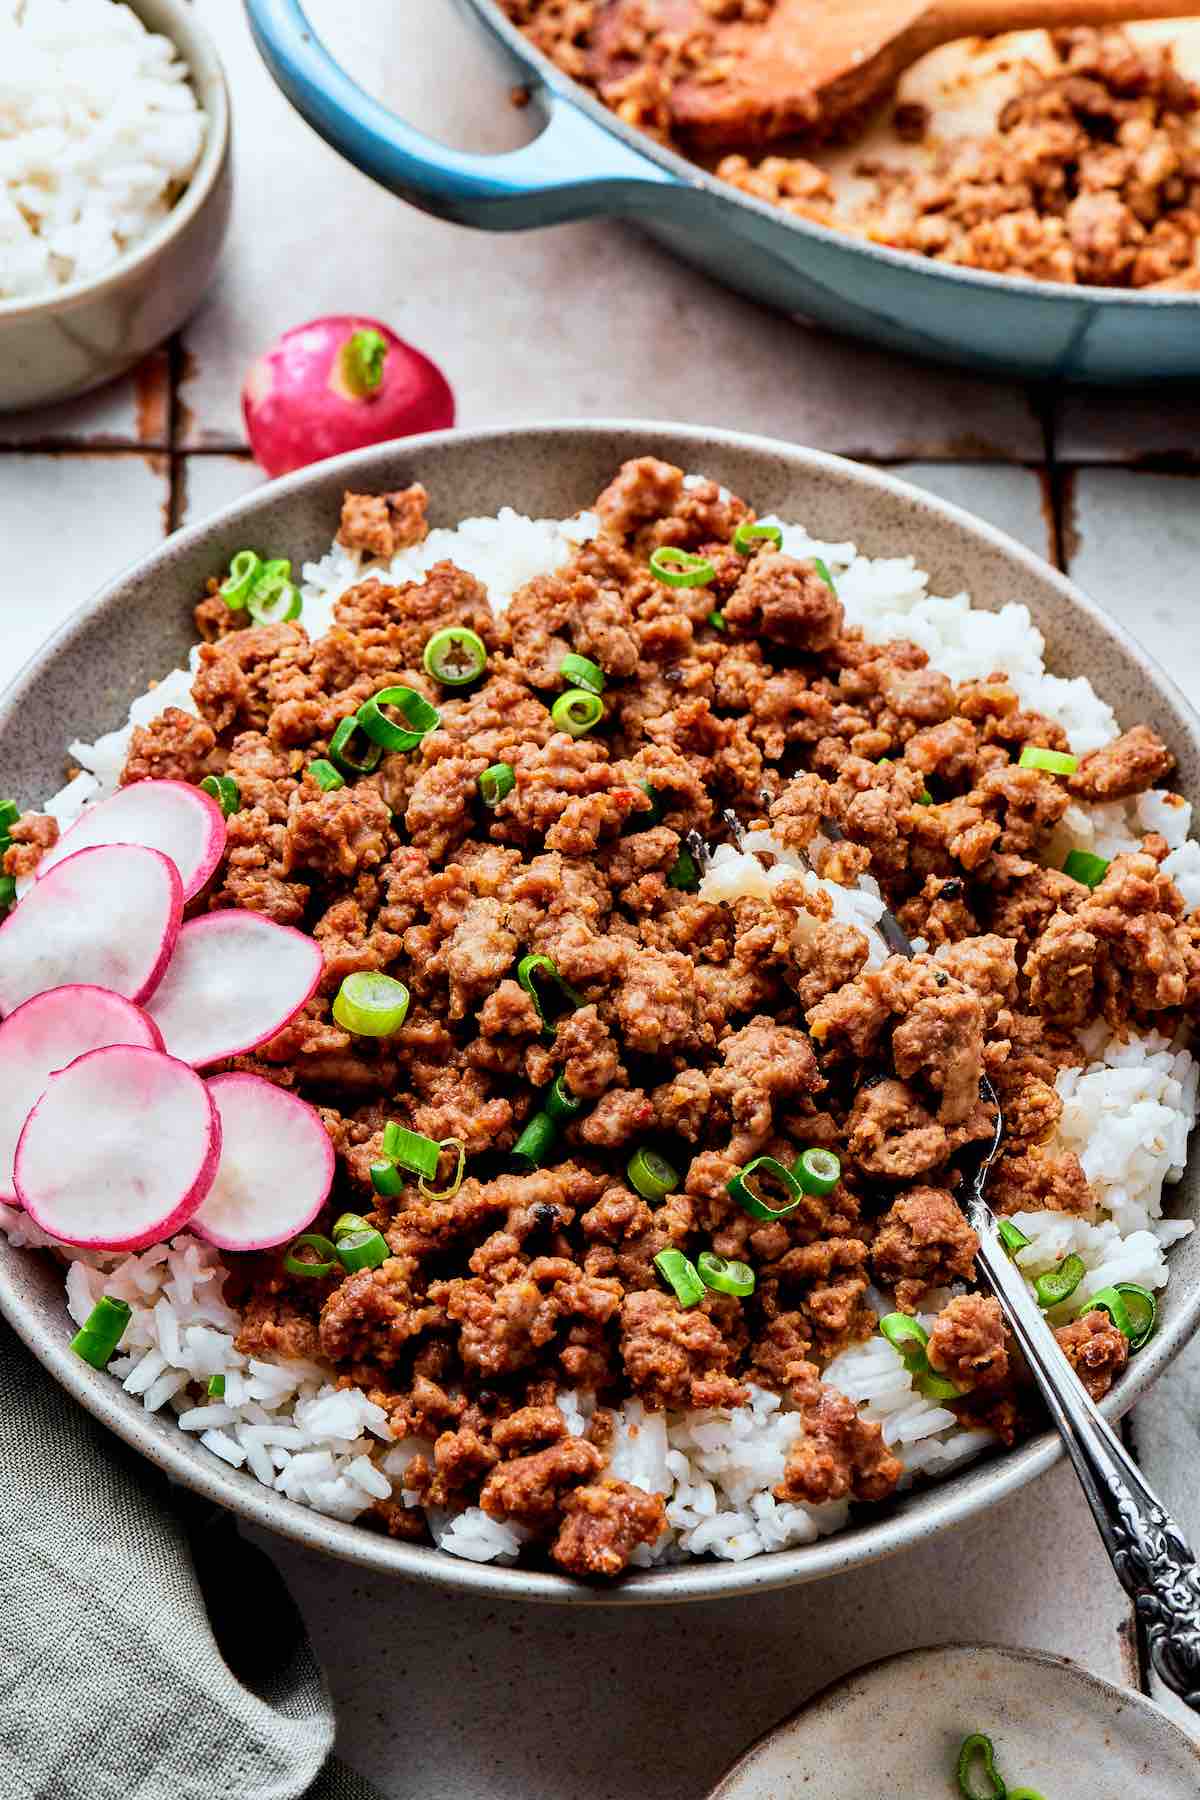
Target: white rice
99,133
1127,1111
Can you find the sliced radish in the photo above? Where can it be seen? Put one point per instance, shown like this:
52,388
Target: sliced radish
120,1150
276,1168
46,1034
108,917
181,821
236,978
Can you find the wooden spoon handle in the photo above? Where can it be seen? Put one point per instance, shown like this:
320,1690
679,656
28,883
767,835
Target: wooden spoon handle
947,19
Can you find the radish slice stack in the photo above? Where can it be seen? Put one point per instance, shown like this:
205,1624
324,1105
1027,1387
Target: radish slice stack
46,1034
180,821
235,980
120,1150
276,1170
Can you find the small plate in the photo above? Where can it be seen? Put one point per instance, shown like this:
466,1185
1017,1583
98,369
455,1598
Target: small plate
893,1731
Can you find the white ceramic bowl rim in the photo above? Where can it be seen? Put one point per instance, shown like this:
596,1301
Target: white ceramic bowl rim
204,68
933,1508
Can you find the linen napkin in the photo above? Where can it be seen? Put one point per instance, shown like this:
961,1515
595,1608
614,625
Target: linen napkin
146,1650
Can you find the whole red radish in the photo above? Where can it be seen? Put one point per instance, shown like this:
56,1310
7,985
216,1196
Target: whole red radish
338,384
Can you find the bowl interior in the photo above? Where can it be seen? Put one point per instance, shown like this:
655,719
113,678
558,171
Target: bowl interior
139,627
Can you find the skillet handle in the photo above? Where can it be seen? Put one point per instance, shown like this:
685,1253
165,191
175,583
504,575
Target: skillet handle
575,168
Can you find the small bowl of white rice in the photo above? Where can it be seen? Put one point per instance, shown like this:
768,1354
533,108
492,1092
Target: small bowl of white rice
114,187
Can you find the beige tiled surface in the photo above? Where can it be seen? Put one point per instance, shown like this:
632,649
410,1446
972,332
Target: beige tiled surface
440,1697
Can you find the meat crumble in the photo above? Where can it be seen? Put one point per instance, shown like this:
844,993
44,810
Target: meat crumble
712,1032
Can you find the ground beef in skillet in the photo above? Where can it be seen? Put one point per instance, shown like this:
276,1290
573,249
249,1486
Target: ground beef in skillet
713,1032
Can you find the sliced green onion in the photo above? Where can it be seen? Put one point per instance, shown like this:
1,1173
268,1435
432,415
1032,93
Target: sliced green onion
1132,1309
370,1004
577,711
347,1223
1024,1794
561,1103
1012,1237
1055,762
496,782
323,1260
216,1387
581,672
716,619
905,1334
102,1331
8,890
934,1386
651,1174
325,775
411,1149
419,715
243,573
10,812
746,536
822,569
1059,1283
340,757
978,1750
540,978
455,656
386,1179
535,1142
752,1202
817,1171
1081,865
677,568
684,873
274,598
225,791
455,1182
680,1274
924,798
725,1276
360,363
362,1250
644,820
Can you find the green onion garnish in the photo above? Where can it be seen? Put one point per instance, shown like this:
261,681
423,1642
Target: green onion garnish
216,1387
746,536
455,656
642,821
924,798
361,360
225,791
535,1142
581,672
680,569
347,1223
362,1250
717,620
978,1750
419,715
496,782
411,1149
684,873
102,1331
243,573
765,1168
577,711
1055,762
817,1171
540,978
274,597
455,1182
370,1004
10,812
325,775
725,1276
1132,1309
1012,1237
1059,1283
561,1103
934,1386
651,1174
822,569
910,1338
680,1274
340,757
386,1179
323,1260
1081,865
8,890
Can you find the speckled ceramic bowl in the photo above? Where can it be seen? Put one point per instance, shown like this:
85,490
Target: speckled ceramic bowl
60,344
893,1731
138,627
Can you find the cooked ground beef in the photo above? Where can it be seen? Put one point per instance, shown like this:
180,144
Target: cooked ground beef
713,1033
